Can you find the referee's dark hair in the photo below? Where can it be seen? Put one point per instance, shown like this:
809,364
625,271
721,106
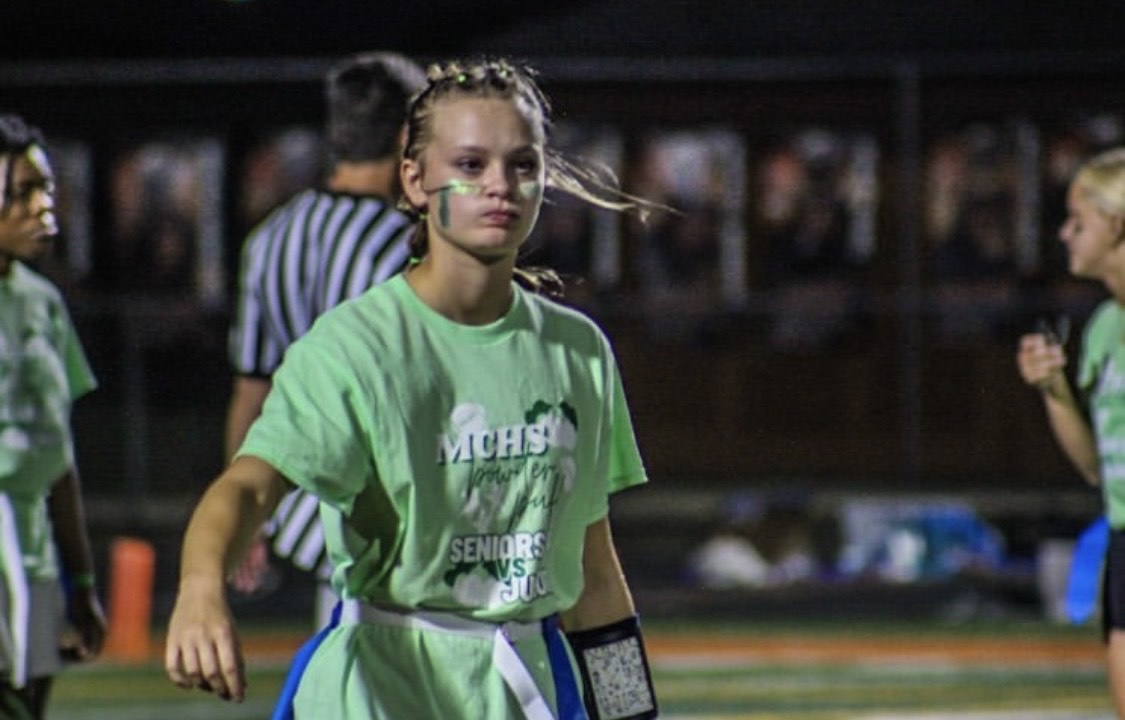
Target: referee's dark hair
367,97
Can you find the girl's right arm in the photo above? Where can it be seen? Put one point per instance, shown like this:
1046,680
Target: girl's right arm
202,648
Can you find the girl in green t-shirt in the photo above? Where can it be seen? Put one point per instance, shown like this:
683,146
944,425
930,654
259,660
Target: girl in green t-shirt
463,434
1089,422
44,544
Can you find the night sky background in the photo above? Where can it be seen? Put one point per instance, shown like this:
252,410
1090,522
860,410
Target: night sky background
115,29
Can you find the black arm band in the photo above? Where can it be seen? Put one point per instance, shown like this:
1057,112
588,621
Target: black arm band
616,680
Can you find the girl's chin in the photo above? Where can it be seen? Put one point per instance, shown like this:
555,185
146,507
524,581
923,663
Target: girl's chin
1079,270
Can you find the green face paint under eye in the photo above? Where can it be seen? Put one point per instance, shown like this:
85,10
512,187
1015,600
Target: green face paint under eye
530,189
464,187
443,207
454,187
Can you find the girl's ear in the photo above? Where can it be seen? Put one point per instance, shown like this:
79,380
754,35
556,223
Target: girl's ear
410,174
1118,224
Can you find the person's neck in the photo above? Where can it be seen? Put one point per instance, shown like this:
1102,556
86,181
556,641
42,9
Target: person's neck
1116,288
1113,273
364,178
6,264
463,289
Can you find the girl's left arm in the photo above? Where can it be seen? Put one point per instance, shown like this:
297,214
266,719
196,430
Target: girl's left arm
605,635
605,595
68,520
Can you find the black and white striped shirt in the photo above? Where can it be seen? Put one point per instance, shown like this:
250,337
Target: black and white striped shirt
310,254
315,251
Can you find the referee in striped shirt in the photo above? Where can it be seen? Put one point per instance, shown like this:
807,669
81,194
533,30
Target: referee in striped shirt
323,246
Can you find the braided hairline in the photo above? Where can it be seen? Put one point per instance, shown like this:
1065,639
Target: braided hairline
499,78
484,78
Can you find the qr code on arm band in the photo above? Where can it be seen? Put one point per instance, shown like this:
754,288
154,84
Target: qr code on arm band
619,680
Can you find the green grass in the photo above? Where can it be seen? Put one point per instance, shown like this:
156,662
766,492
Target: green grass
836,691
702,690
105,691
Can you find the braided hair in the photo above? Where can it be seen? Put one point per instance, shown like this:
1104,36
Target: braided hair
500,79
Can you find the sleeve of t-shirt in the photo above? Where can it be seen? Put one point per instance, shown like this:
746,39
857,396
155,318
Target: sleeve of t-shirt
626,468
79,376
310,428
1092,351
619,465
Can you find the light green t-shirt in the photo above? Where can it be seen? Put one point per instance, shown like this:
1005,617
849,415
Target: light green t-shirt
1101,378
457,466
43,370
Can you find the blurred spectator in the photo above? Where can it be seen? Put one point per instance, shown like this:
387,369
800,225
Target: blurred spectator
1065,149
815,202
969,226
156,209
580,242
167,261
767,540
691,258
277,168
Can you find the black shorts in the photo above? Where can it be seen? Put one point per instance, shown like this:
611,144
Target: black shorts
1113,584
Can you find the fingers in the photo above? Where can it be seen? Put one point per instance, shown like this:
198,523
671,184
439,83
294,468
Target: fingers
92,628
1039,360
233,672
84,636
212,664
205,672
93,639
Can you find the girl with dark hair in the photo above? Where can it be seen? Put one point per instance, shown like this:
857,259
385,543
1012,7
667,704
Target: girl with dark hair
44,546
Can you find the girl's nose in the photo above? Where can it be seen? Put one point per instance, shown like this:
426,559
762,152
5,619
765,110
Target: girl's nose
498,183
43,199
1064,231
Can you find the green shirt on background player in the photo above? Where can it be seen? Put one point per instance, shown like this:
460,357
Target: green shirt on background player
44,372
1101,378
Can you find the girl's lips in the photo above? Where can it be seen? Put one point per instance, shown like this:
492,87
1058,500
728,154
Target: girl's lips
50,227
500,217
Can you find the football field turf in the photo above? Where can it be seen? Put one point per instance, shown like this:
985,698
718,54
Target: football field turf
1008,670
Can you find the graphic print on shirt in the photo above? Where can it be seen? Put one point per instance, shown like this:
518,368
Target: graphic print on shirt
517,475
33,410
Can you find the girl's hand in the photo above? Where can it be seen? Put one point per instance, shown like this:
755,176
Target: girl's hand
1041,362
88,619
203,650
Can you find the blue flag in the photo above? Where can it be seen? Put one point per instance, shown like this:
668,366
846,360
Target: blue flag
1086,571
283,710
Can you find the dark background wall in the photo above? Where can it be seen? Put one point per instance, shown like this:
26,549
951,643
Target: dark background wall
886,408
55,29
891,408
